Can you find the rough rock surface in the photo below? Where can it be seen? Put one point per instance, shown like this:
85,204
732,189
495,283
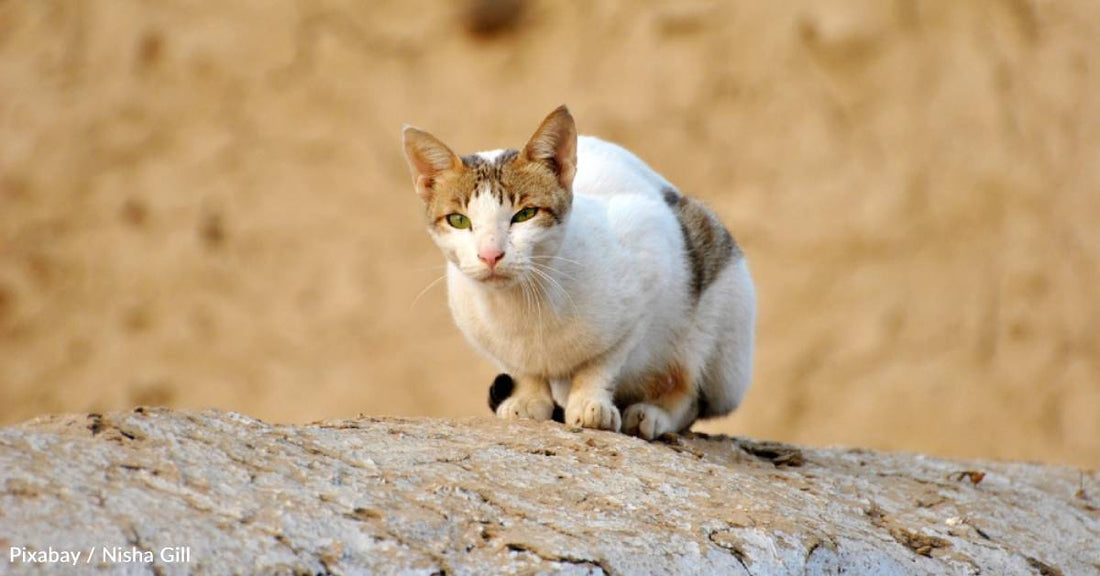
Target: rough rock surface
487,496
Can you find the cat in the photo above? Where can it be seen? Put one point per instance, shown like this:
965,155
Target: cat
590,279
501,389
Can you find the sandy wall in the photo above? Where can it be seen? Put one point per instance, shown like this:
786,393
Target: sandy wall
205,204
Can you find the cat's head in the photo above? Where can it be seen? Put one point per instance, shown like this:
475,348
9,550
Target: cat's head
498,216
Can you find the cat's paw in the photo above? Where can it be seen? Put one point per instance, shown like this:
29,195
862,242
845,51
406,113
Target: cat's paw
520,406
593,412
646,421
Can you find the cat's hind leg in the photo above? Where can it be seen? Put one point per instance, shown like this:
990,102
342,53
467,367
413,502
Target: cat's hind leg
669,406
729,369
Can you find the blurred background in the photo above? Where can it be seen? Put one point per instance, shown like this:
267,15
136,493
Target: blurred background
205,204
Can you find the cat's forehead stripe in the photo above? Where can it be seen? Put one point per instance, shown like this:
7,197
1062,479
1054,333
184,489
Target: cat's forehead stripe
488,169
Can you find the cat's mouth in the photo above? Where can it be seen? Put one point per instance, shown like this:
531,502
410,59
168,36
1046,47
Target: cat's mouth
494,278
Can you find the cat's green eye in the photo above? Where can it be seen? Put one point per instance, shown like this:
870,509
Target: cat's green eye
459,221
524,215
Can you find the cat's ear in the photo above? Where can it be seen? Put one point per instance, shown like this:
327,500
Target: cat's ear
555,145
428,158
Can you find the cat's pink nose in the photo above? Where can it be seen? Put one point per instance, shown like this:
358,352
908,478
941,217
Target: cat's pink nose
490,256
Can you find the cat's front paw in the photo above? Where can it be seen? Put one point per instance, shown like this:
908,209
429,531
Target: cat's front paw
526,406
646,421
593,412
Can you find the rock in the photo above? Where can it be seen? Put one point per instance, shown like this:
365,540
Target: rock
212,493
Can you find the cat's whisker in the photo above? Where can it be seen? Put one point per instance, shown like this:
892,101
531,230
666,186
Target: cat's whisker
536,295
526,296
552,270
531,299
549,272
556,258
542,344
558,285
546,268
425,290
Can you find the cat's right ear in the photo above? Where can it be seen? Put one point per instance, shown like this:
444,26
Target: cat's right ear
428,158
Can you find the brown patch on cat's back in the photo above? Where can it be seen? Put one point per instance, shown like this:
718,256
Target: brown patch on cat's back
533,184
708,245
672,197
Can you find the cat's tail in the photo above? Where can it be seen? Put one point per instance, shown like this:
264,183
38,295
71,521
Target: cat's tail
502,388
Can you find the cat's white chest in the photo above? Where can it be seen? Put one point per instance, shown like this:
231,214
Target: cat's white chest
524,334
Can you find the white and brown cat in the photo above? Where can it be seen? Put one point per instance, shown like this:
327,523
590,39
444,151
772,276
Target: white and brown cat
589,278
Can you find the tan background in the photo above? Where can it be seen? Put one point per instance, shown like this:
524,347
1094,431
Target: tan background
206,204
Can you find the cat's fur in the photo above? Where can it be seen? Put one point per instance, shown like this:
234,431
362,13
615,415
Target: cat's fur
619,294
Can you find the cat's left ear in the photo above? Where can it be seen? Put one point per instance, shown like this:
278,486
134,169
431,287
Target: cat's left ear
428,158
555,145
